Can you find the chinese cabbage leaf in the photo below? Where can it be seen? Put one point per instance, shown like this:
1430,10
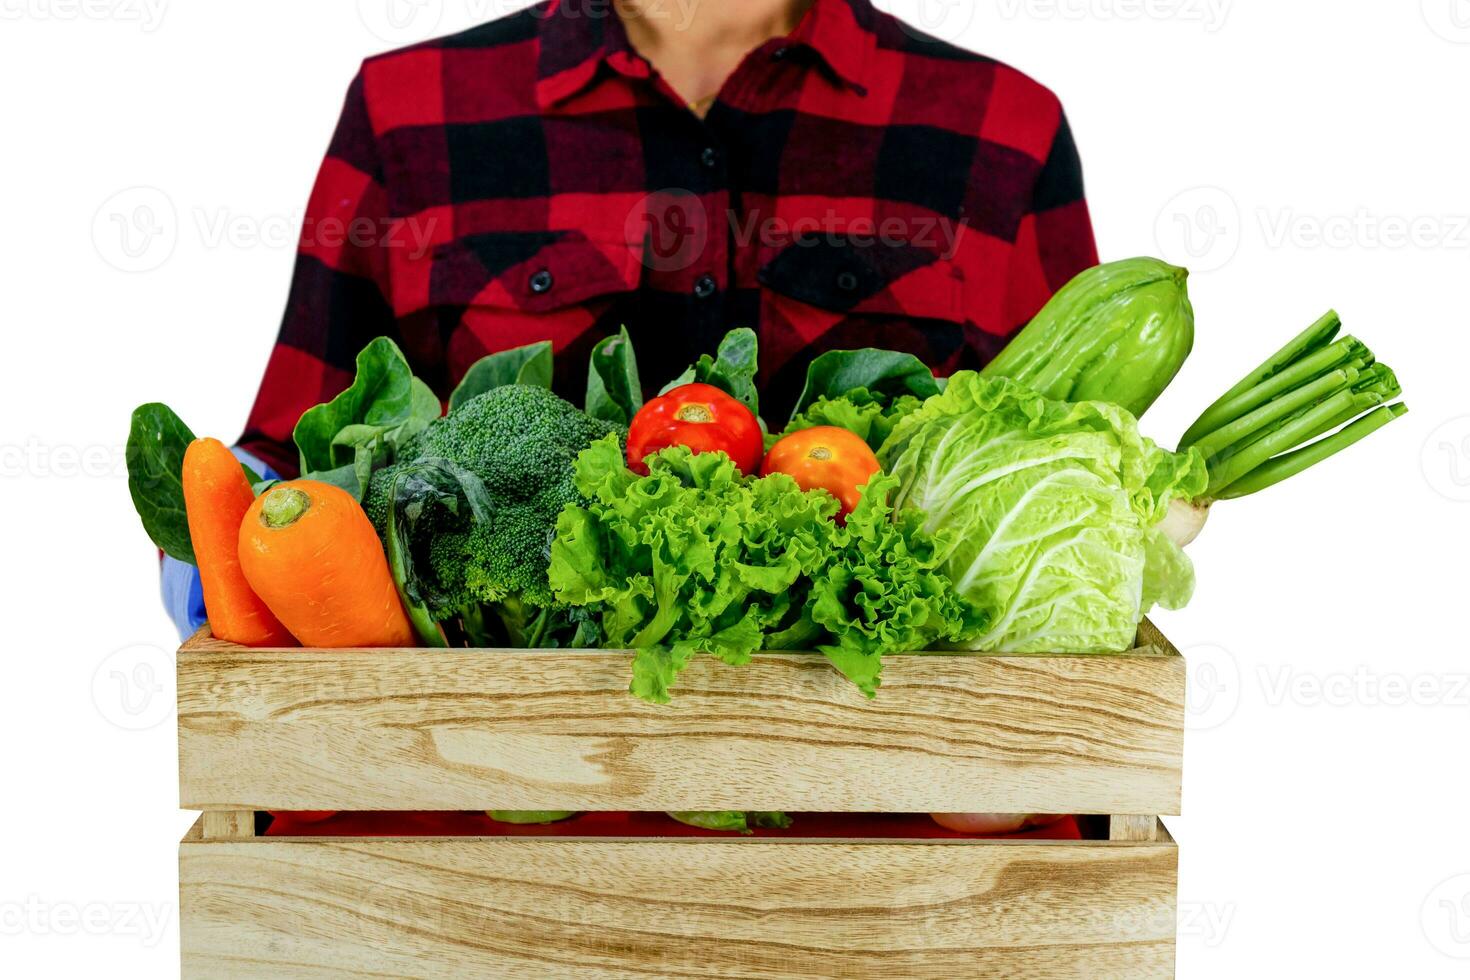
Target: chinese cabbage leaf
1048,511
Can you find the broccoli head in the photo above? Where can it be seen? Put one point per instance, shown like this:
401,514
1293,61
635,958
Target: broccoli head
488,541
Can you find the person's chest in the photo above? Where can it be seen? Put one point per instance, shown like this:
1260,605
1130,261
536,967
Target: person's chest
802,210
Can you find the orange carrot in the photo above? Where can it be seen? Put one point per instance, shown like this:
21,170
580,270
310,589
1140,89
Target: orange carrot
311,553
216,497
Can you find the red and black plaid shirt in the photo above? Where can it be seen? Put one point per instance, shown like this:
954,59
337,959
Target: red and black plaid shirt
855,184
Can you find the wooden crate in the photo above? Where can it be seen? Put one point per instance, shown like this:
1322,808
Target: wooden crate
474,730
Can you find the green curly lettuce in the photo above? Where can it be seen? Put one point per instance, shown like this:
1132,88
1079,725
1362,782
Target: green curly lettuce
733,821
697,559
870,416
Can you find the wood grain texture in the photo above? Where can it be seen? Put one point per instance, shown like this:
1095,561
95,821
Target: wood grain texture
1132,828
557,730
487,907
228,824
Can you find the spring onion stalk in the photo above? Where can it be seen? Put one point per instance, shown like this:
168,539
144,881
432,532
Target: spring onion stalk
1290,464
1314,338
1318,335
1278,410
1312,399
1347,352
1378,378
1287,437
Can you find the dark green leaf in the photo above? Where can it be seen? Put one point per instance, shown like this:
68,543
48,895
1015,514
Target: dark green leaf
885,372
157,441
530,365
385,407
342,477
732,369
614,391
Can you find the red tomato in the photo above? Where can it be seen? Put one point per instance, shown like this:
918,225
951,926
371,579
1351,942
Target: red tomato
701,417
993,823
825,458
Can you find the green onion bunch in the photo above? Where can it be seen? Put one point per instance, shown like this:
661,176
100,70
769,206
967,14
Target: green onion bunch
1310,400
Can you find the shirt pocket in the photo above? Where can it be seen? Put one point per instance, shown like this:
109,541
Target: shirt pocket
504,290
836,293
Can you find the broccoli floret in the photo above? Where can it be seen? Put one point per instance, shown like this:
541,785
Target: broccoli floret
521,444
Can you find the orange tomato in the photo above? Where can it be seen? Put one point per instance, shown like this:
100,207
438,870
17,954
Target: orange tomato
825,458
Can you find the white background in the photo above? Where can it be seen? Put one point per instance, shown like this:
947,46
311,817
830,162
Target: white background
1297,155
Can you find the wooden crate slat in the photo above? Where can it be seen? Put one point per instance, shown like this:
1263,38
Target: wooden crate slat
301,908
531,730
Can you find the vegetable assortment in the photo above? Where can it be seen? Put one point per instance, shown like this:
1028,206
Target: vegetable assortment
1018,509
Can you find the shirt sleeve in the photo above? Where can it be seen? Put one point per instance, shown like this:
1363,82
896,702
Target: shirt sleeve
1056,240
340,296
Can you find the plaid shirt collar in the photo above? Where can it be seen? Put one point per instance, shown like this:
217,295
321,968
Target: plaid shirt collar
576,44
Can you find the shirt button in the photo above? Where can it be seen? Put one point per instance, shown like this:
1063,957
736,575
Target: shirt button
706,287
781,54
710,158
542,282
847,282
